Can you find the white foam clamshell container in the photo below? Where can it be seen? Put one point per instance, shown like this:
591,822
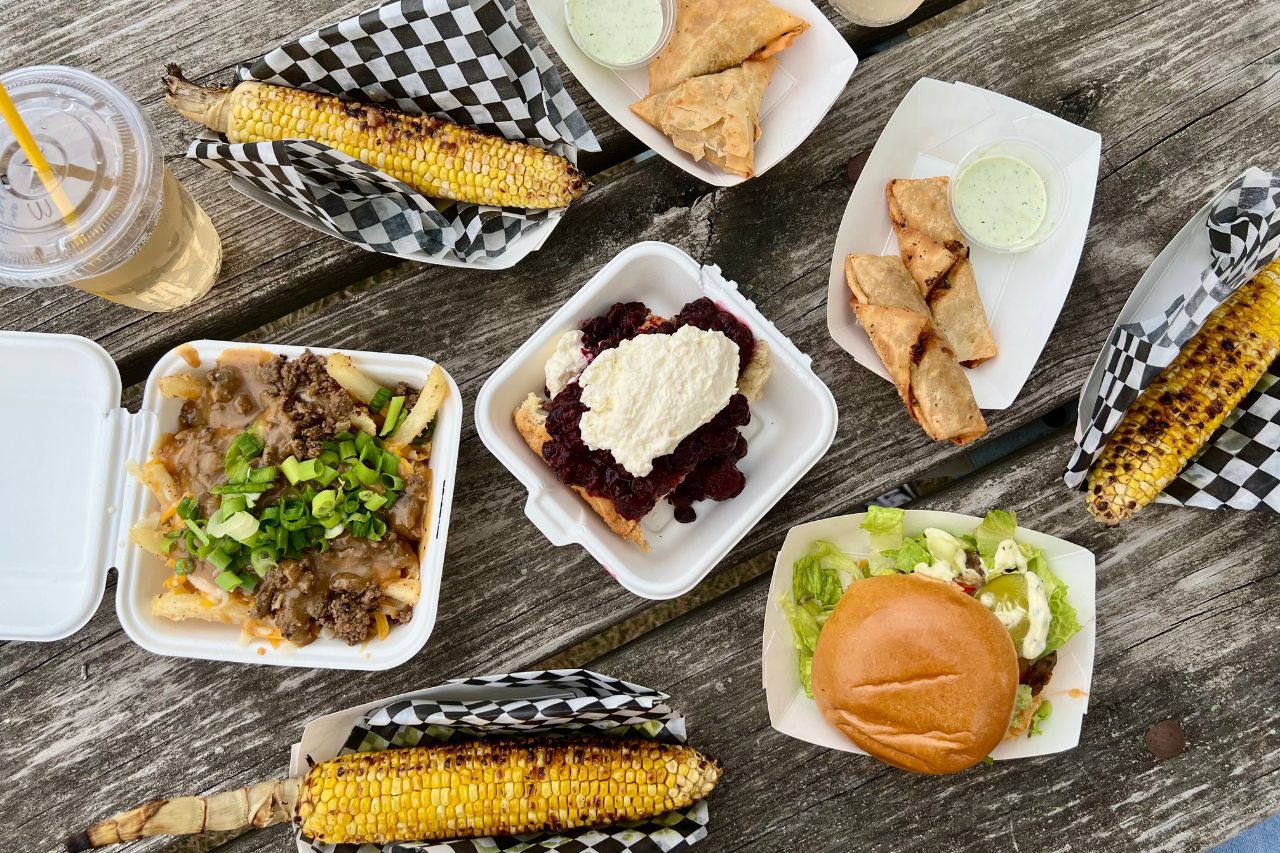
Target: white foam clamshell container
791,428
70,442
795,714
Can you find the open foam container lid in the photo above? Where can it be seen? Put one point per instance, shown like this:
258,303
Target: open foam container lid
60,518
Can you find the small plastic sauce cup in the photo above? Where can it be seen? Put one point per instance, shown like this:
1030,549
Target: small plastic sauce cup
1056,188
584,44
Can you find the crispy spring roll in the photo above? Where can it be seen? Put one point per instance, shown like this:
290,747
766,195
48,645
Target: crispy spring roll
937,257
919,359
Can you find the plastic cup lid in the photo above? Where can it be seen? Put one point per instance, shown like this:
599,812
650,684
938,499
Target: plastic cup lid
104,154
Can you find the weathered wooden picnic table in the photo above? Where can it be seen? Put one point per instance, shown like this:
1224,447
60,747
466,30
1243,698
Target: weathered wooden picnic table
1185,93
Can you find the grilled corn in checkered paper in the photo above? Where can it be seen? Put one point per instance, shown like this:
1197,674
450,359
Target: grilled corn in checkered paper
434,157
1174,417
433,793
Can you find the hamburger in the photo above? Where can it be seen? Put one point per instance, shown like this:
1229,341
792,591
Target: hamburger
917,673
937,646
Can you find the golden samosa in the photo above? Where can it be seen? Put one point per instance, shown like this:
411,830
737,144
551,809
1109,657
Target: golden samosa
715,35
937,256
715,117
919,359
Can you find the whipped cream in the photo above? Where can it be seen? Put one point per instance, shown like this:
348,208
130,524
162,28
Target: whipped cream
647,394
565,363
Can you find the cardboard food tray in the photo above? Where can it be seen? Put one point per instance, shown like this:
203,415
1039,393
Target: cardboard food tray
933,128
795,714
811,74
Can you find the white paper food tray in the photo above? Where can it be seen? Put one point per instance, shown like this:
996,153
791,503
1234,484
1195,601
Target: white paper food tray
791,428
1173,271
810,75
795,714
58,539
933,128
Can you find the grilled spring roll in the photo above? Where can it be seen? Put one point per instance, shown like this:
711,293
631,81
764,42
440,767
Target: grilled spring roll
436,158
434,793
1177,414
936,255
920,362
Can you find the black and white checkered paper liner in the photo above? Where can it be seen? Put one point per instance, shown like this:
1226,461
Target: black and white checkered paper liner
1240,466
468,61
580,699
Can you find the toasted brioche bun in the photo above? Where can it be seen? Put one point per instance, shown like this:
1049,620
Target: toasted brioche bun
917,673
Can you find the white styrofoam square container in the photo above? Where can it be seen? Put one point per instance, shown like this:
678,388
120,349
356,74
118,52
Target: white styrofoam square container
810,75
51,582
795,714
931,131
791,428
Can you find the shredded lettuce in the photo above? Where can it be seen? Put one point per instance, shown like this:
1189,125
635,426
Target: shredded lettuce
912,552
884,524
1037,719
1021,703
815,590
998,526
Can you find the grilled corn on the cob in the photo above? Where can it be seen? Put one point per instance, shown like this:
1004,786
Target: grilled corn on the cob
437,158
476,788
1179,411
498,788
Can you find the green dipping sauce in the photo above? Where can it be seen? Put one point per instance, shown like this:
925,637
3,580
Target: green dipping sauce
1000,201
616,32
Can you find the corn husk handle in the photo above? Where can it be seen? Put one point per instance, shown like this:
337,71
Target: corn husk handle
263,804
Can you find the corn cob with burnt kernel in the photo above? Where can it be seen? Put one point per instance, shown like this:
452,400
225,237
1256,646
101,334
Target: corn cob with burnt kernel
433,793
498,787
1174,417
437,158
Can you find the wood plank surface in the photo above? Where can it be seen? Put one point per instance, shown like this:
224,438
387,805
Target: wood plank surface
271,264
126,725
1187,604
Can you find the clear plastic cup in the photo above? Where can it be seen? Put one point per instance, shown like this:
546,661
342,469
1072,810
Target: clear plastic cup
134,235
585,42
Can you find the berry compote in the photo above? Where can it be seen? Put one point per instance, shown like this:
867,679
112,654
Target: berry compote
702,467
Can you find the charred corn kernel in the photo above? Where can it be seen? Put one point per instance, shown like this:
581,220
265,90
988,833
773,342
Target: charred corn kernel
461,800
389,140
1179,411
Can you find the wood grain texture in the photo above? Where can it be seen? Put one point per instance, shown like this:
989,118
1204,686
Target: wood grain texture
1186,602
97,715
271,264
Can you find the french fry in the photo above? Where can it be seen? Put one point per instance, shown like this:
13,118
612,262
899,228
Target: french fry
364,422
404,590
183,386
429,400
353,380
145,535
157,478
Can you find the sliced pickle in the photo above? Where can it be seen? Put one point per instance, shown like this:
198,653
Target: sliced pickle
1010,593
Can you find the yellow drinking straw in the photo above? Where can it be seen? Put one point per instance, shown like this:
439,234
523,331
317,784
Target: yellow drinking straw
9,112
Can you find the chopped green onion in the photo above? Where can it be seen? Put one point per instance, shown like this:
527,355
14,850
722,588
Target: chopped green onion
390,462
377,529
249,583
324,503
240,488
194,527
363,440
345,435
372,500
263,560
239,526
310,469
334,532
290,469
187,507
228,580
327,475
231,505
347,450
237,470
265,474
379,400
220,560
246,445
393,416
329,457
392,482
182,567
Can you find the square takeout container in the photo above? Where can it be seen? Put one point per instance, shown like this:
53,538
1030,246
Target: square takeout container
795,714
791,428
811,74
59,537
933,129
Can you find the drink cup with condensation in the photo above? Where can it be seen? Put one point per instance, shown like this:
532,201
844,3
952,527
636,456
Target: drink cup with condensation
134,235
